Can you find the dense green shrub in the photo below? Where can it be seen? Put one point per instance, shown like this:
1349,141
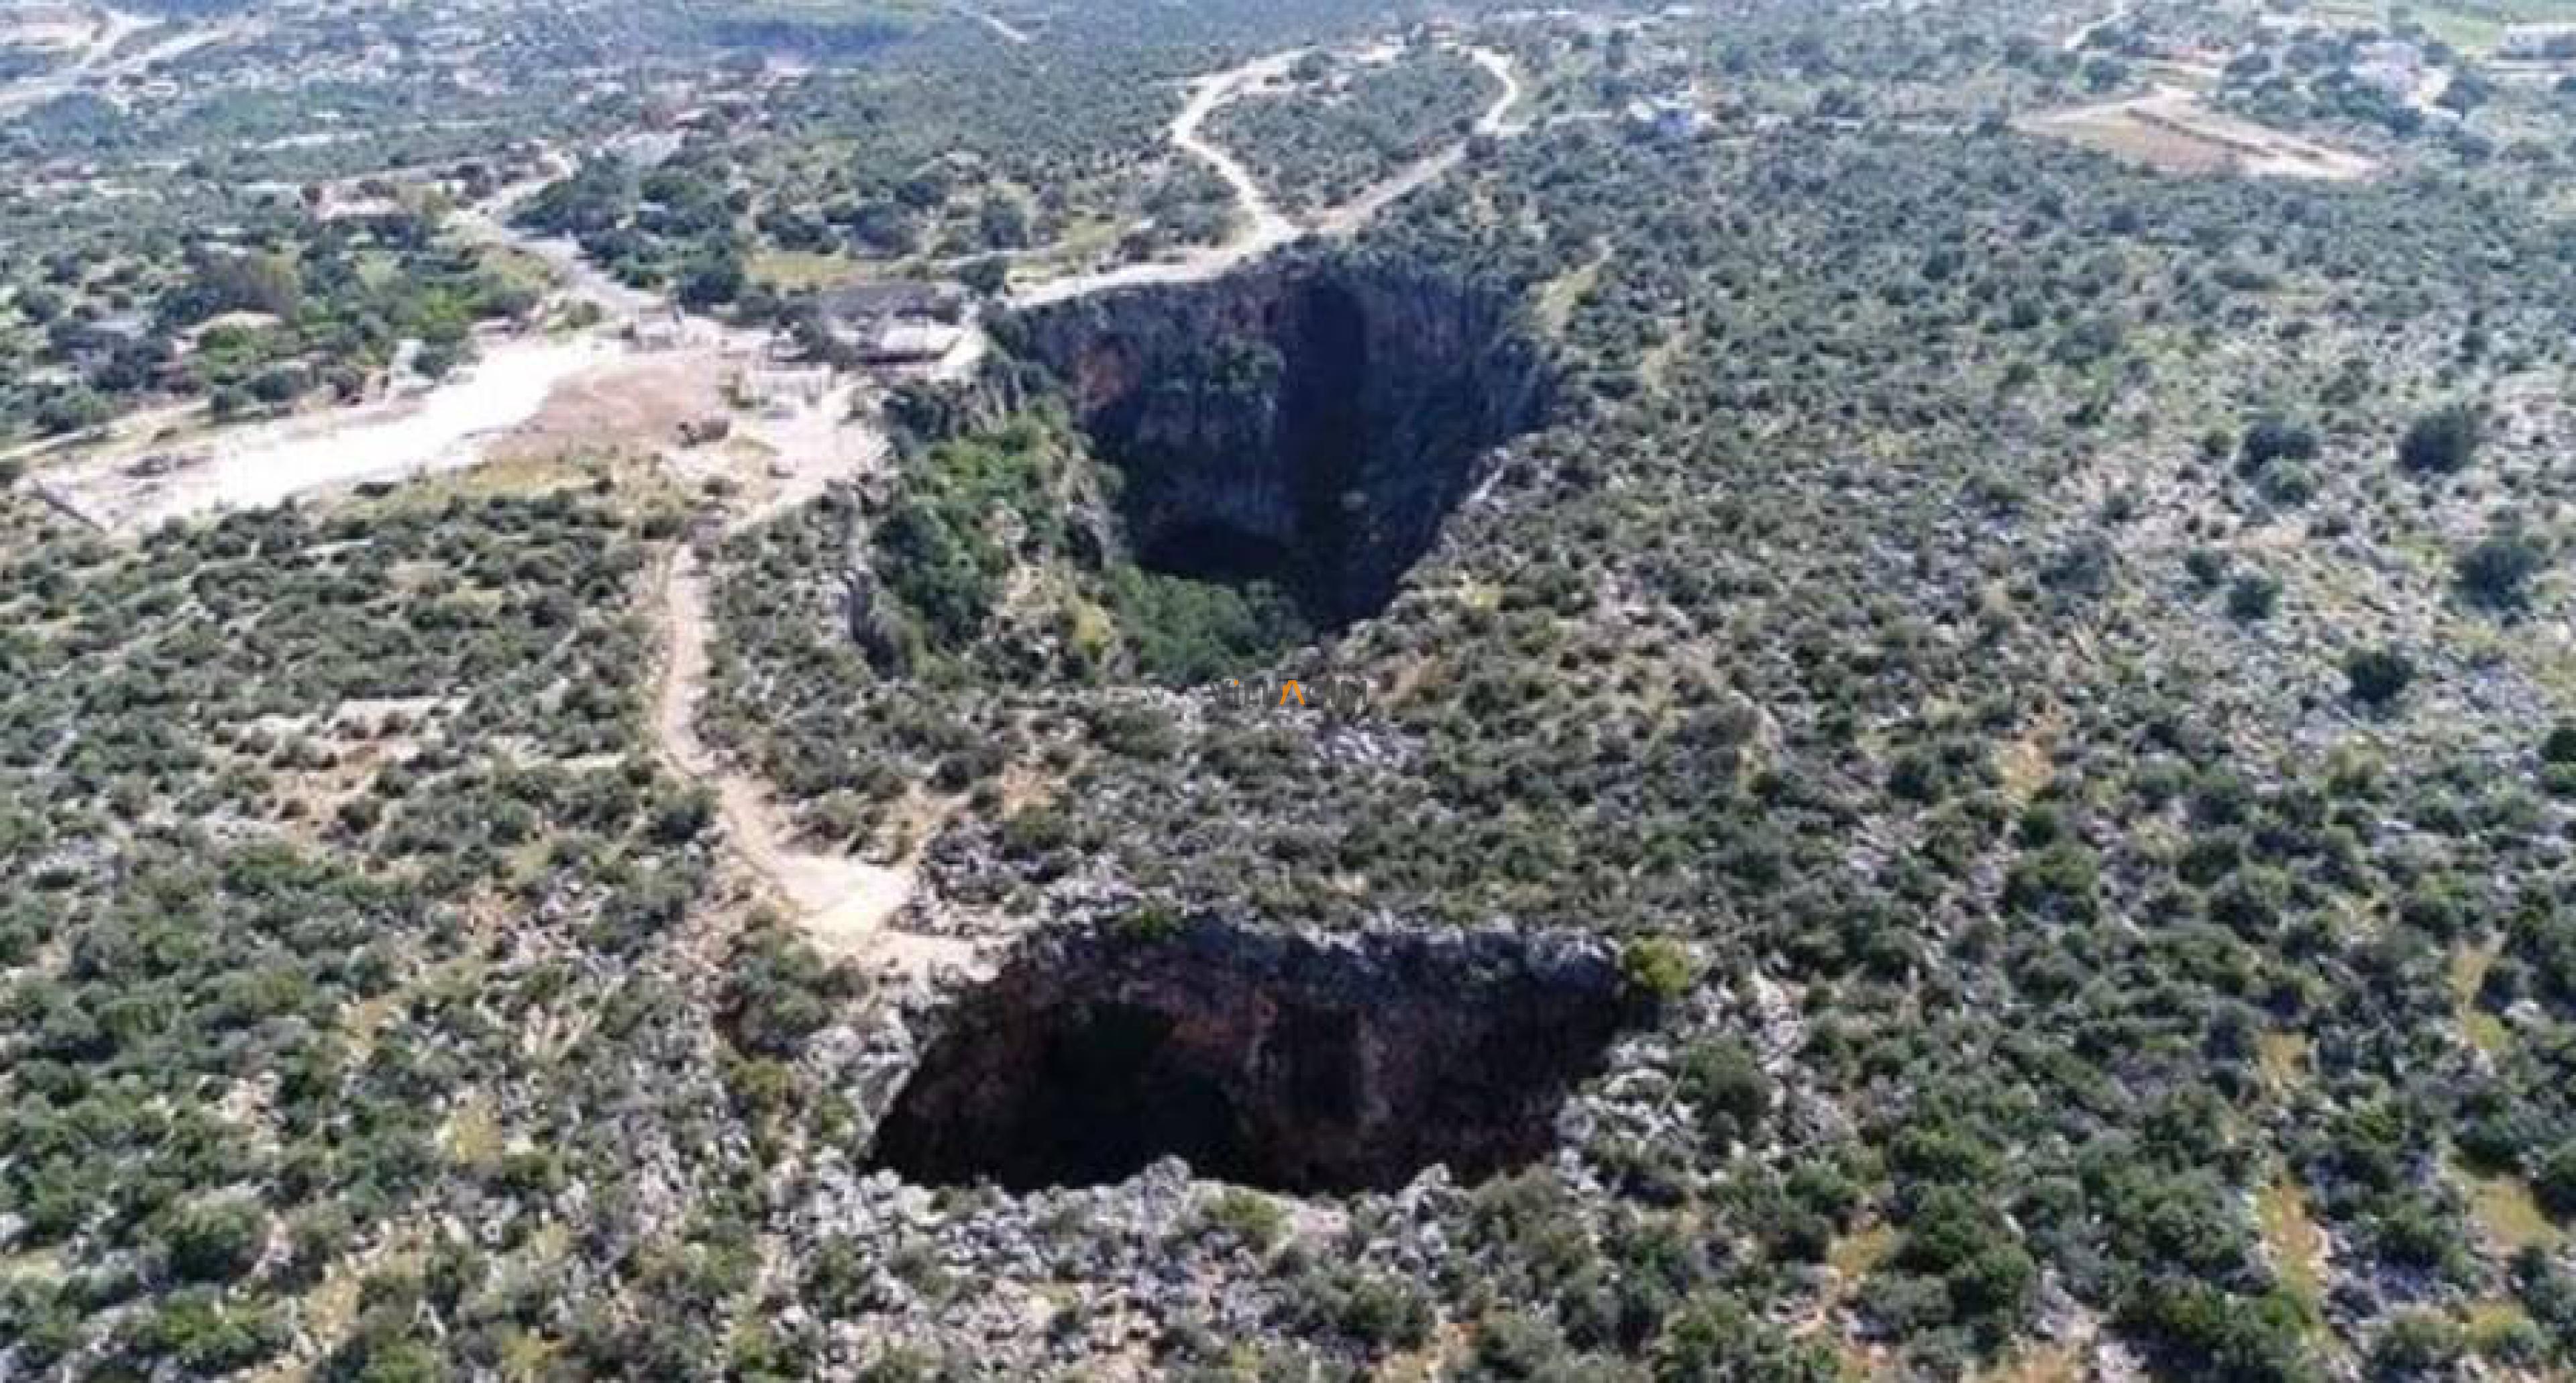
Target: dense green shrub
2444,441
2376,676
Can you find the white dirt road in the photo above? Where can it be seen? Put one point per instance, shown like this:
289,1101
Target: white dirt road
843,905
846,906
489,224
1002,28
98,61
1348,219
2172,128
1263,227
124,489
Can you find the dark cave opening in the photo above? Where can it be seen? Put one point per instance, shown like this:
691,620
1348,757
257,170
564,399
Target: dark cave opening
1325,440
1281,1063
1308,423
1218,552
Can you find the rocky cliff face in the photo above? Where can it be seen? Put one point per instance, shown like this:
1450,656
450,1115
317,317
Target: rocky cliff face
1310,420
1273,1060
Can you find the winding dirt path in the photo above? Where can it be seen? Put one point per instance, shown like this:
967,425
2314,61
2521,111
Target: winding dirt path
2075,41
489,224
1507,75
1002,28
1266,223
846,907
843,905
1265,227
1346,220
99,62
113,28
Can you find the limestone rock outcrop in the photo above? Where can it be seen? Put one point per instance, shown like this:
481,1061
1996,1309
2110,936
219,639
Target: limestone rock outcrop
1280,1060
1308,420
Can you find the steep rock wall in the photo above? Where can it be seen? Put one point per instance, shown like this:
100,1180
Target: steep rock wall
1287,1062
1309,420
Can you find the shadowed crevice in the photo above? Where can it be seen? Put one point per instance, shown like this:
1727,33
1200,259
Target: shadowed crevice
1308,422
1278,1062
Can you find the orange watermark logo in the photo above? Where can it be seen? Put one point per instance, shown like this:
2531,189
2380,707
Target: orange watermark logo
1296,693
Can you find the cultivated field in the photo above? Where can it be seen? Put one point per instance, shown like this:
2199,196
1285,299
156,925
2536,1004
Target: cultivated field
2172,132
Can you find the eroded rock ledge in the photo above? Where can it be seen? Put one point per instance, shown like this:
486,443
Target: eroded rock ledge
1286,1062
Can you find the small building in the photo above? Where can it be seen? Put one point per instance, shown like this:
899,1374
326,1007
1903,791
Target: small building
912,343
1667,117
763,385
875,303
2392,67
892,322
2537,42
659,333
91,343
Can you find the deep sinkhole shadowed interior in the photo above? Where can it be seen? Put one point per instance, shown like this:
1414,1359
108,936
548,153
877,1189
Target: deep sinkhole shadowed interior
1307,423
1271,1062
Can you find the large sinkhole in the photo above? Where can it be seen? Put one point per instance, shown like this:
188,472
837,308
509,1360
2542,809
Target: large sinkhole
1308,422
1272,1061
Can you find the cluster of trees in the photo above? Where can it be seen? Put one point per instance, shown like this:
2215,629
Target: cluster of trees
992,560
385,81
298,303
1344,127
942,143
942,546
2319,73
196,1127
678,224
